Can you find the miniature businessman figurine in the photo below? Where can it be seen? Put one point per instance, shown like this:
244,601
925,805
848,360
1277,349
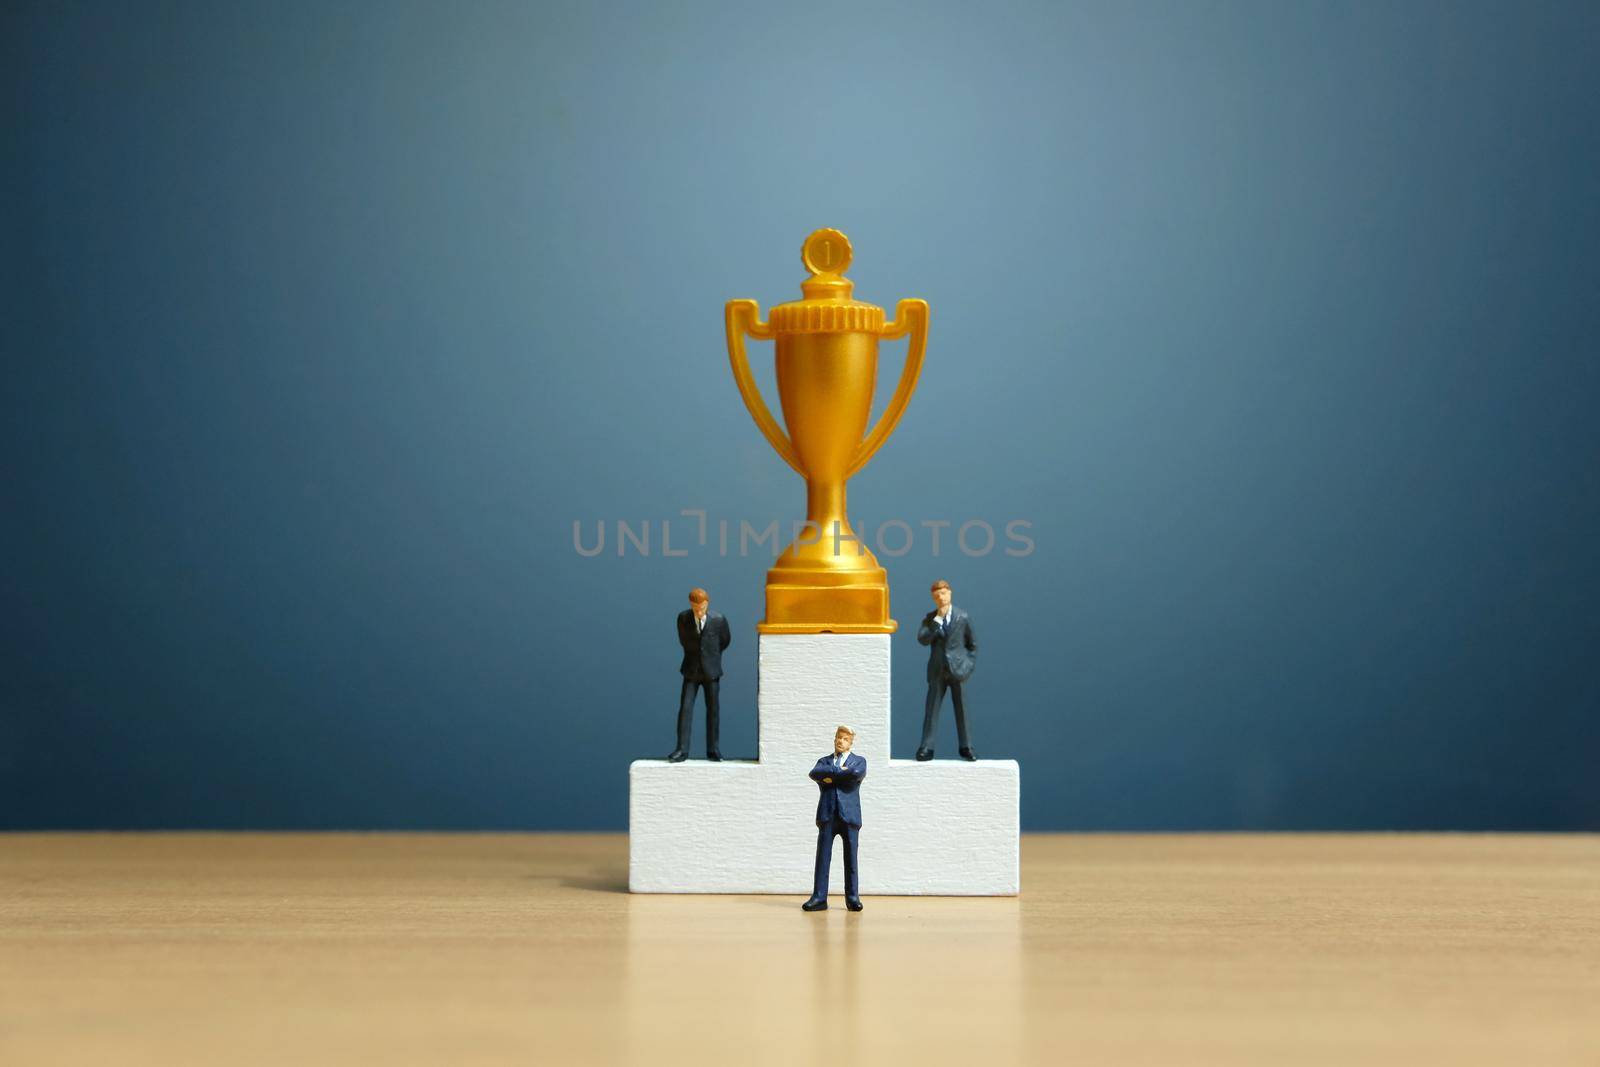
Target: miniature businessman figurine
704,635
952,657
839,776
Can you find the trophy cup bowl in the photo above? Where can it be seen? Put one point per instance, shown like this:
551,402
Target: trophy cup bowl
826,357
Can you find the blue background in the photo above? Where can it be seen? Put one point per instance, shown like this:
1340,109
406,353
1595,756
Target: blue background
324,322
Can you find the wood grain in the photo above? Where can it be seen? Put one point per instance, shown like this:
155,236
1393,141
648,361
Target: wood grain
468,949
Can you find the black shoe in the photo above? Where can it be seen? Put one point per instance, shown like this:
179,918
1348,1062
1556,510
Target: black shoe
714,757
969,755
815,904
853,903
678,756
924,755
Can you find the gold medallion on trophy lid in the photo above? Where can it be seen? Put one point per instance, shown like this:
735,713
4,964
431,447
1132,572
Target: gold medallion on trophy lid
826,252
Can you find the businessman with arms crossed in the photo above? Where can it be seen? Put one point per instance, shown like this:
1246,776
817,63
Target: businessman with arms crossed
838,815
704,635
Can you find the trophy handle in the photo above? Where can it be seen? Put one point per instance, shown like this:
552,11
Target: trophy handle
912,316
742,317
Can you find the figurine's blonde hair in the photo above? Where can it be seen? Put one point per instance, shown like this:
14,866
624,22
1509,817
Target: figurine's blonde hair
940,584
698,595
845,730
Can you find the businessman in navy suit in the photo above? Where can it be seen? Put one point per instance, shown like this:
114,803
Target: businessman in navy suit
838,815
704,635
952,657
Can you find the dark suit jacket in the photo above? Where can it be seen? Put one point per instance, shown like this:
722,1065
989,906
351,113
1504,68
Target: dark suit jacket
840,798
954,649
702,649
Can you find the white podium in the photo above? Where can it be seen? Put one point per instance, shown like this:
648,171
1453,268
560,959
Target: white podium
945,827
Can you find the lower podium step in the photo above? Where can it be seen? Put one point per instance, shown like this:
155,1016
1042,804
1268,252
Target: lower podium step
945,827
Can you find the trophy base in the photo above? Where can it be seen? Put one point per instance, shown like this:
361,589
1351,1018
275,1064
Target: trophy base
820,608
764,627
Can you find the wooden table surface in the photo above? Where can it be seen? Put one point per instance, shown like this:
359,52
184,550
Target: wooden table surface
465,949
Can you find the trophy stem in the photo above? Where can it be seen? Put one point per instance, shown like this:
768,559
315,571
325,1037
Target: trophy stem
825,505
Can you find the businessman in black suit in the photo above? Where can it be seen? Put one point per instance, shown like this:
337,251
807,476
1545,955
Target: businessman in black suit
952,657
703,634
838,775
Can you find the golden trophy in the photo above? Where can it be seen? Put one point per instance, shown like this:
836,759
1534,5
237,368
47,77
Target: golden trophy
826,349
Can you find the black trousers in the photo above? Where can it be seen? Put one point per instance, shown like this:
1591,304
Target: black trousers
686,714
930,716
825,835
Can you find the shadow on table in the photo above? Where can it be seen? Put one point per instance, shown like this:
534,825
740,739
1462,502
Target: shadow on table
607,877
